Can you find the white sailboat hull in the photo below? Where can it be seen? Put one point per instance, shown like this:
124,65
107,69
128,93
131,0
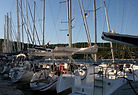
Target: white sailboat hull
5,69
42,82
126,89
125,84
64,82
21,76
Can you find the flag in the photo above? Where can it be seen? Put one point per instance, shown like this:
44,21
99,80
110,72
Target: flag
86,14
47,44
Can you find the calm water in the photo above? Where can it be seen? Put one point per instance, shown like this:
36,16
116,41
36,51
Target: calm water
90,61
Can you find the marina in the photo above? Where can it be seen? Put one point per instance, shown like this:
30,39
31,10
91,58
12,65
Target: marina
66,65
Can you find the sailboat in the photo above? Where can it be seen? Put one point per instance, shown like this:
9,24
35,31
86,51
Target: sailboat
5,68
43,80
21,70
104,79
4,64
66,81
46,79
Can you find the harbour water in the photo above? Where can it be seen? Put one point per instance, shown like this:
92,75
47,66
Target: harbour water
7,88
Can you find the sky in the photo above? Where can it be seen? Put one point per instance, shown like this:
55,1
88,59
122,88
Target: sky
123,18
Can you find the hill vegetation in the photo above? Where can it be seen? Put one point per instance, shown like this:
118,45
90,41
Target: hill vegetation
104,51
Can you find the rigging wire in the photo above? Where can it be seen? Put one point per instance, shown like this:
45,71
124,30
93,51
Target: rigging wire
89,2
123,20
131,11
29,25
31,18
80,24
39,20
27,30
63,14
84,22
14,36
25,22
34,26
14,31
104,23
52,15
127,15
123,17
58,17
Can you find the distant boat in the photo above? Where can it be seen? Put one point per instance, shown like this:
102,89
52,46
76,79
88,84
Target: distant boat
5,68
4,64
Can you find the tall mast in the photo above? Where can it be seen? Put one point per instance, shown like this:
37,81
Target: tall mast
7,30
22,26
95,24
4,45
10,28
108,25
18,30
43,22
26,13
95,28
34,24
69,17
85,22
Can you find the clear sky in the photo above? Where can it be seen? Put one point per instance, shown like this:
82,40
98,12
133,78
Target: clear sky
123,18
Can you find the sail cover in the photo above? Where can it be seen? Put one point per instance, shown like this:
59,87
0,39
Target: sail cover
121,38
65,51
71,51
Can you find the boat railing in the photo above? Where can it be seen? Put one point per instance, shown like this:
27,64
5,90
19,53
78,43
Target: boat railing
116,71
98,78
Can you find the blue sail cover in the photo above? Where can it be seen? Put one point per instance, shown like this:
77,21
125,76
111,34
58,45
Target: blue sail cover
121,38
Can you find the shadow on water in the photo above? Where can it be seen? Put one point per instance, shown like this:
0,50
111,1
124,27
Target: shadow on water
24,89
39,93
28,91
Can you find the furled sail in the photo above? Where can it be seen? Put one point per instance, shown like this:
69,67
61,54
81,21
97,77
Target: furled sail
121,38
64,51
70,51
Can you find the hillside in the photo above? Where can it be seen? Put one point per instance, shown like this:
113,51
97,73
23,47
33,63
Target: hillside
104,52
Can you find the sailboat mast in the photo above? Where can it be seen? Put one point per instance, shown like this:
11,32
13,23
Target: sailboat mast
4,49
22,26
10,33
34,24
84,22
43,22
95,24
95,28
107,20
26,14
7,33
69,17
18,30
